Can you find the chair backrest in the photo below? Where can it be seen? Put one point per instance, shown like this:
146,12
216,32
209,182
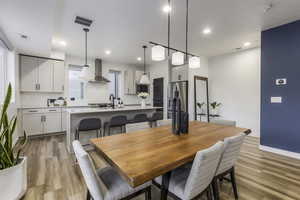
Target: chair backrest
89,124
137,126
203,170
164,122
119,120
140,118
223,122
157,116
88,170
232,147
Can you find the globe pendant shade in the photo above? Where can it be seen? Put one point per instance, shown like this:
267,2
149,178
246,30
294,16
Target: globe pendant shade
145,80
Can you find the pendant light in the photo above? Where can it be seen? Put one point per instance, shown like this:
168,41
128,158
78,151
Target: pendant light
158,53
144,79
177,58
194,62
86,30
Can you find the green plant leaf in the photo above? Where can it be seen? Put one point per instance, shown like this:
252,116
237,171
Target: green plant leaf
5,104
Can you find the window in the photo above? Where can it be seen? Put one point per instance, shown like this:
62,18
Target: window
114,84
3,74
76,84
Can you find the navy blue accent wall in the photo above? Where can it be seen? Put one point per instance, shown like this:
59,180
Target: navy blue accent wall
280,58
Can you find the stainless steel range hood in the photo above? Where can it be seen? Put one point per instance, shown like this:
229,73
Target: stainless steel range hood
98,73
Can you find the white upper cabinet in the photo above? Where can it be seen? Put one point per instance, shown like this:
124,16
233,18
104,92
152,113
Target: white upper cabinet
129,82
58,76
45,78
29,74
41,74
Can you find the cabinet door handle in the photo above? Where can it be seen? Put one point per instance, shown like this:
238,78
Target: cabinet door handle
32,111
42,118
52,110
63,88
36,86
39,86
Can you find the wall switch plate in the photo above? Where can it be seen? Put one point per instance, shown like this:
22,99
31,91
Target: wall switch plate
281,81
276,100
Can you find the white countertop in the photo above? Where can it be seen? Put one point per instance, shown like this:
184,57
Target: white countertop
99,110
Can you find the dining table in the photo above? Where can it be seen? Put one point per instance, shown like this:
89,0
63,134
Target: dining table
143,155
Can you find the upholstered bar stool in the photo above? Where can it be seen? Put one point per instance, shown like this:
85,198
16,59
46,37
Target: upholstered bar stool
139,118
154,118
89,124
115,122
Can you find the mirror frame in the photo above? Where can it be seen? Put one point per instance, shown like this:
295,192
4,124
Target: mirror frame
195,97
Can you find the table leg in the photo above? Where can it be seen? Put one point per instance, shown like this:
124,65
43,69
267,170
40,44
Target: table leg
165,185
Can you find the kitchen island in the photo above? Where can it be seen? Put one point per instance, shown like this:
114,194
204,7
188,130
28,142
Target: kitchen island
75,115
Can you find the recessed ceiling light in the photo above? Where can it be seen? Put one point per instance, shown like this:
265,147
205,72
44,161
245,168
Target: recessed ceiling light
107,52
139,58
247,44
167,8
206,31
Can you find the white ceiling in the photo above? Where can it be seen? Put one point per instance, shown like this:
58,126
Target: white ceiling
123,26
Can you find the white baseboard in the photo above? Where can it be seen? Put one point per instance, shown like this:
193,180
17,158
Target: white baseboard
280,152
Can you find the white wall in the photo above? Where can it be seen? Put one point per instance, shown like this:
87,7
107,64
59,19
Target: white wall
234,80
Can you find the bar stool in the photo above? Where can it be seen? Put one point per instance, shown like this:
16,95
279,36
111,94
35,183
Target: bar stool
117,121
155,117
89,124
139,118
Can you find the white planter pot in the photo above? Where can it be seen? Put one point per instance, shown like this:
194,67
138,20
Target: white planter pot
13,181
214,111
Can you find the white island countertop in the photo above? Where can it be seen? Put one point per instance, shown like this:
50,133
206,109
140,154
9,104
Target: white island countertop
104,110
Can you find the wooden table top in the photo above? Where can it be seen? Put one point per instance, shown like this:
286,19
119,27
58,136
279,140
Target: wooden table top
142,155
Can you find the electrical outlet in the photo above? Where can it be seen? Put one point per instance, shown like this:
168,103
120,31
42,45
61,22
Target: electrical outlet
276,99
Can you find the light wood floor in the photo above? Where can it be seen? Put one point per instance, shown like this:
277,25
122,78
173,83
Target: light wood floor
52,174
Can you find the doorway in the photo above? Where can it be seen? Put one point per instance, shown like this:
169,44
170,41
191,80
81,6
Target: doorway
158,94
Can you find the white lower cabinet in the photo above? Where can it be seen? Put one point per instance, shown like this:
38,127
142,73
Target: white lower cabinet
42,121
33,124
52,123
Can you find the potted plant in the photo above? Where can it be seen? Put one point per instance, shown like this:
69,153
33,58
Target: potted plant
13,171
143,96
215,107
200,106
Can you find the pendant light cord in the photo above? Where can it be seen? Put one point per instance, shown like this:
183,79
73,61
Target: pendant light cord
86,30
186,29
144,58
169,25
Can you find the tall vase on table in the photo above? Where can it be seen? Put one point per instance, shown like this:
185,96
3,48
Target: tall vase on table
143,96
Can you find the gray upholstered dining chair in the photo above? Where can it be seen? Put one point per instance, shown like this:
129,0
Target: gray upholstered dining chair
232,147
106,183
223,122
188,183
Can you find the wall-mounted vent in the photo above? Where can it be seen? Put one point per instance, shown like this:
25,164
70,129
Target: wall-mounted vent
83,21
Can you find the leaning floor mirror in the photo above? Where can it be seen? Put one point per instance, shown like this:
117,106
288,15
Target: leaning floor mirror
201,99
